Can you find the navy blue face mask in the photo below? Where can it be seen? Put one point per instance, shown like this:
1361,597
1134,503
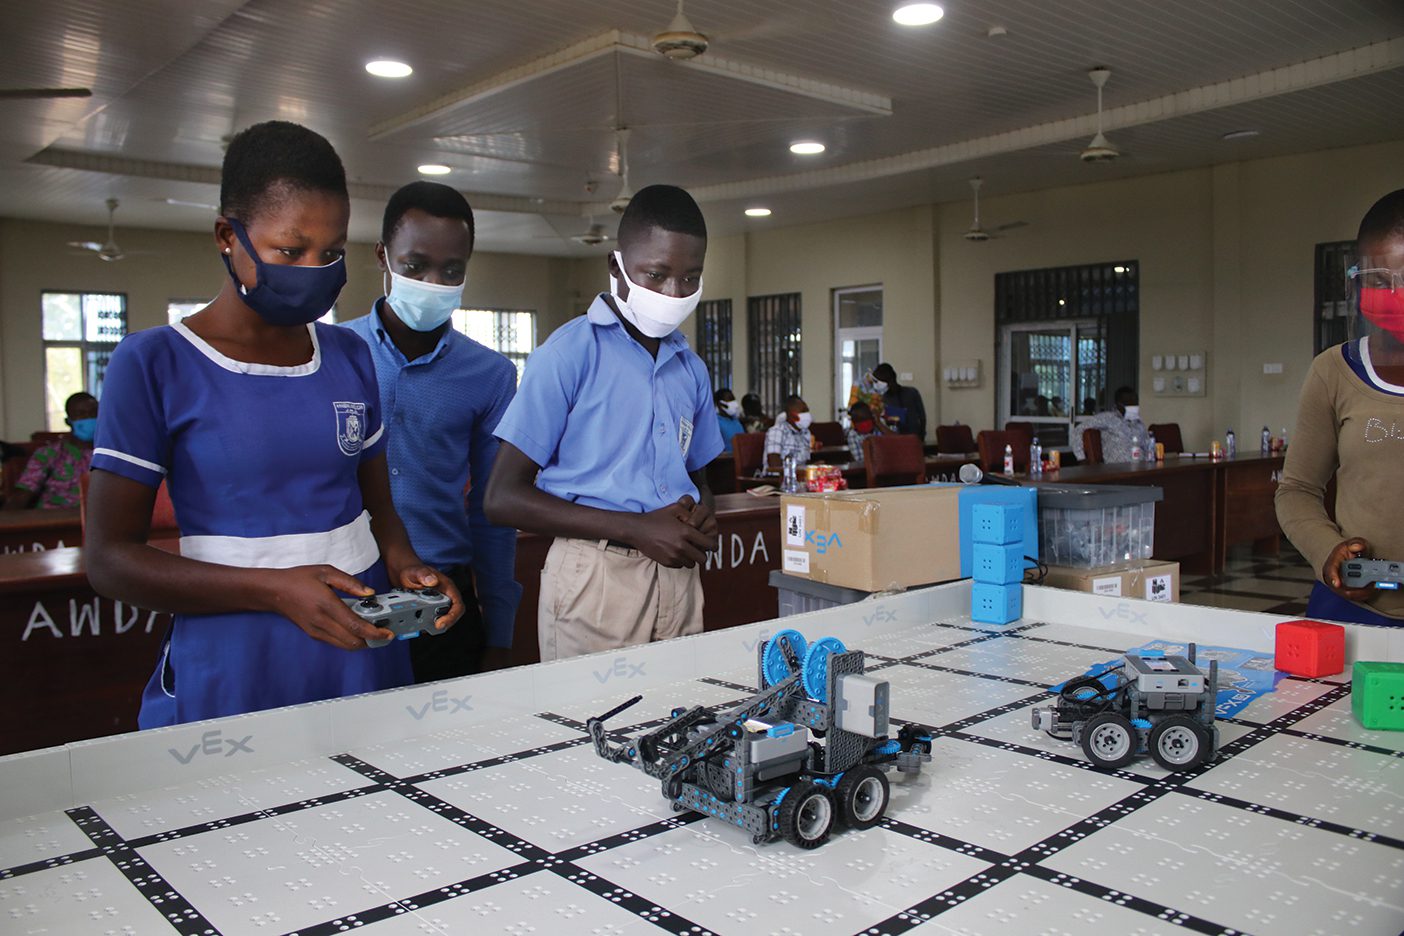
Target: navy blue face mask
283,294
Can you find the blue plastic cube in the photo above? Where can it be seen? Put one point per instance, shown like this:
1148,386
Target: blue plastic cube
997,524
997,565
996,604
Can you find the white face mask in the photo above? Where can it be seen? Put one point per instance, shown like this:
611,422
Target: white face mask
805,420
652,313
731,408
420,305
1133,413
880,386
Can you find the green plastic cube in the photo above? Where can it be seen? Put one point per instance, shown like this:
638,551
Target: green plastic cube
1377,695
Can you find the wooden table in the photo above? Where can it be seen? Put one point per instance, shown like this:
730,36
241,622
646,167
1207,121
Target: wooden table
36,530
735,580
1208,505
74,664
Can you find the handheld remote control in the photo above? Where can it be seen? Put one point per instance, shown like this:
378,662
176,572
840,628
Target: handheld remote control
1382,573
405,613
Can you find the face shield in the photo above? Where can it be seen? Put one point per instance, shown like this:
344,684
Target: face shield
1375,302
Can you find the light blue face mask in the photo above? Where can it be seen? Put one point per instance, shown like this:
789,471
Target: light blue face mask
84,429
423,306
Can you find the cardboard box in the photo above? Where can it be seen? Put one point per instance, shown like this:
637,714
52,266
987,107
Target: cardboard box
872,540
1150,580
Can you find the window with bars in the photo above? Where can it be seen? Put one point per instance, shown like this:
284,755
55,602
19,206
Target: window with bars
80,331
714,340
773,327
1067,337
1332,309
511,332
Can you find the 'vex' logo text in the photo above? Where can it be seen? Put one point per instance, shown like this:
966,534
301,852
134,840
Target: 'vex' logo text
211,743
440,701
620,669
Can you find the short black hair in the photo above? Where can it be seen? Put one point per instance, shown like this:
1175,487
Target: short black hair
432,198
885,368
1384,220
661,206
794,399
267,161
1125,396
79,397
859,408
717,394
751,404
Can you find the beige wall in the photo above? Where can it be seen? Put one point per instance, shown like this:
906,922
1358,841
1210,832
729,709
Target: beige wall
165,265
1226,257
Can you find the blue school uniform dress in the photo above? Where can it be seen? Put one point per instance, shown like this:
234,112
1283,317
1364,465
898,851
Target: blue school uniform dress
261,463
611,426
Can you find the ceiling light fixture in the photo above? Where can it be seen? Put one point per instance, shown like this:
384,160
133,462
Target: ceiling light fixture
389,68
757,212
806,147
918,14
1118,269
434,169
1240,134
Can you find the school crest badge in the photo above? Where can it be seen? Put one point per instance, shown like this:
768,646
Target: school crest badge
350,426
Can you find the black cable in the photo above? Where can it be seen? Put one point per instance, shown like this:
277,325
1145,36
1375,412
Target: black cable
1042,569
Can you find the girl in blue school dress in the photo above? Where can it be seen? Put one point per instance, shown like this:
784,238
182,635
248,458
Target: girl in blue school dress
265,425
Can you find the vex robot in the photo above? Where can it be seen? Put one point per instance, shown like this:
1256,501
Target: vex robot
755,765
1147,702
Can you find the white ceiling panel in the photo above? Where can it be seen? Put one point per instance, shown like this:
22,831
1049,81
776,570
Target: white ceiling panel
172,79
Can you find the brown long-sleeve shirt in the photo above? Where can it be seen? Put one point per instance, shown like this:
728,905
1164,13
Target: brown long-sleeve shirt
1350,424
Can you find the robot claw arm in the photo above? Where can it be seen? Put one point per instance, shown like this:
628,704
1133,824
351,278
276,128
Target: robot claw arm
618,752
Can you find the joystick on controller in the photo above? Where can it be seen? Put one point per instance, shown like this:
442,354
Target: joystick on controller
405,613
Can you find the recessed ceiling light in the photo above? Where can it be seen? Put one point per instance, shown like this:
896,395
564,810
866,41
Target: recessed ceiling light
1118,269
757,212
434,169
1062,302
806,147
389,68
1240,134
918,14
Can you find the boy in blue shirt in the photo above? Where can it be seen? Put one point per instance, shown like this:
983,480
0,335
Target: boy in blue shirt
728,417
442,394
606,444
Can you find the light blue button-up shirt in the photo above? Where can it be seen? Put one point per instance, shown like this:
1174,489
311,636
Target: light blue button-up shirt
611,426
439,413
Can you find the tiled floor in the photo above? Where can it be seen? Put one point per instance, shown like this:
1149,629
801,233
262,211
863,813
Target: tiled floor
1274,584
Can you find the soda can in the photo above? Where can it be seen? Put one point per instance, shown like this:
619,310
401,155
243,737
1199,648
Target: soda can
1216,449
1160,451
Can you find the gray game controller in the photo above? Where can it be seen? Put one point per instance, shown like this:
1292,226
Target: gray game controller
1382,573
404,613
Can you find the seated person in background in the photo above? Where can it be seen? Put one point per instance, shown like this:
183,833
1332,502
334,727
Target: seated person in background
790,435
862,425
900,403
53,474
1057,407
752,416
728,413
1351,402
1122,429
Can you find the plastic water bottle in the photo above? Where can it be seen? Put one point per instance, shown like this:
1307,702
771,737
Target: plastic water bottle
1150,453
1035,459
1230,444
1009,459
1137,454
789,483
1266,449
1284,440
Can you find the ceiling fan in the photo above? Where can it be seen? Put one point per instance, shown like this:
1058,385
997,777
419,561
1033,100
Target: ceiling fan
977,234
1099,149
108,251
593,235
33,94
621,201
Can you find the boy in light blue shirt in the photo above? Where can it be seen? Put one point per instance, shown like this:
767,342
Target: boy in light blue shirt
728,417
606,444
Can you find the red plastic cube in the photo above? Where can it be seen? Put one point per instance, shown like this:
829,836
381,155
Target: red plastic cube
1310,648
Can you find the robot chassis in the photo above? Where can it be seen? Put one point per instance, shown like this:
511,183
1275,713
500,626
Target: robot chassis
1147,702
767,777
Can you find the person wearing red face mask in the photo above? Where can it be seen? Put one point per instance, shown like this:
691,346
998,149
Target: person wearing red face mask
1350,425
863,425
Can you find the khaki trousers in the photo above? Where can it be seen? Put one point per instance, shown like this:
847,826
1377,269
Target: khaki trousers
596,596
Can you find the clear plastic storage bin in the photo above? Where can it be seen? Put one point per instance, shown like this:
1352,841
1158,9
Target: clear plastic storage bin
1101,525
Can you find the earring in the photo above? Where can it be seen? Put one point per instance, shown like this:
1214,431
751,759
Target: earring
226,250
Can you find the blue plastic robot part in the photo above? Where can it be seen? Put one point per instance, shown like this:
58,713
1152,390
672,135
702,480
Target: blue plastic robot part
815,673
773,665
